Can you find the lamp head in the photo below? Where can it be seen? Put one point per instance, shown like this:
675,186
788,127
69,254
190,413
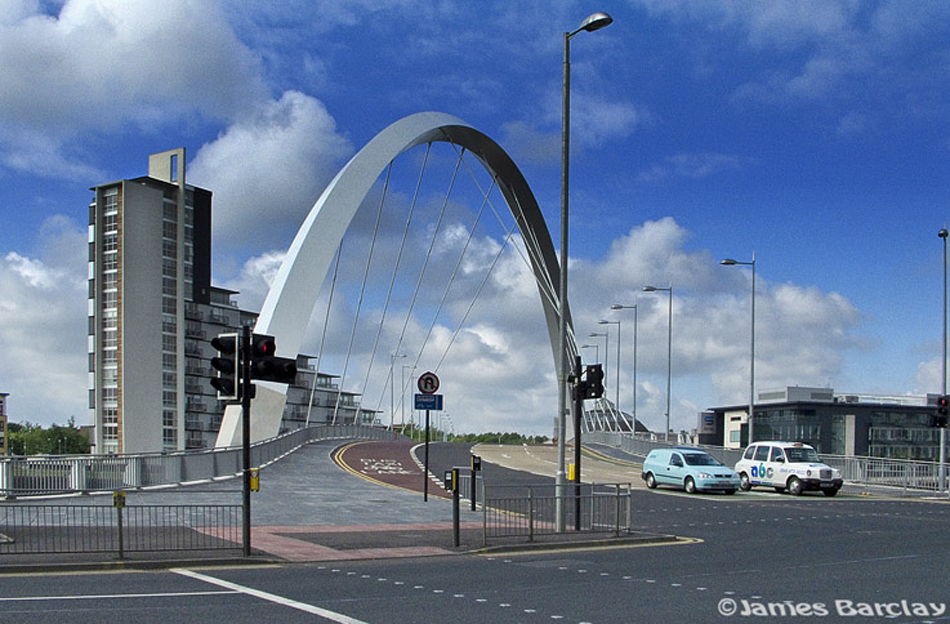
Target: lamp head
596,21
943,233
728,262
649,289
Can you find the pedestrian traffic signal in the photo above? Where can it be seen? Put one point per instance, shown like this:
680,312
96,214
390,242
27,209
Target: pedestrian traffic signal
266,366
227,364
594,381
942,419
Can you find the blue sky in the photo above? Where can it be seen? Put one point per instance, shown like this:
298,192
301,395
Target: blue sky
816,133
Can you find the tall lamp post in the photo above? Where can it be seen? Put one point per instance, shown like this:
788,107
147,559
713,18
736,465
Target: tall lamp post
617,323
606,354
595,21
392,391
731,262
606,338
943,378
669,353
618,306
596,349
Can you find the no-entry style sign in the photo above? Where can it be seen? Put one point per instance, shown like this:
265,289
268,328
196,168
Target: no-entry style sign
428,383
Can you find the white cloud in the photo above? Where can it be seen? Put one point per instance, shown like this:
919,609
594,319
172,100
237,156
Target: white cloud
100,64
694,166
267,170
821,50
43,328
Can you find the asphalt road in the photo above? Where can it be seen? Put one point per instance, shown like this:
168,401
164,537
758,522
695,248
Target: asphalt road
752,556
810,555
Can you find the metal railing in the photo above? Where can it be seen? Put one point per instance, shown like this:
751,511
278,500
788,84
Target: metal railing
71,529
903,474
36,476
531,510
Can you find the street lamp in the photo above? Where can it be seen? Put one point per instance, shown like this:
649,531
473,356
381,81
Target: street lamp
669,353
606,338
595,21
392,390
731,262
596,350
606,354
618,306
943,378
402,399
617,323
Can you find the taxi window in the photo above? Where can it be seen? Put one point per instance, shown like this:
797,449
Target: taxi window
749,453
778,454
762,453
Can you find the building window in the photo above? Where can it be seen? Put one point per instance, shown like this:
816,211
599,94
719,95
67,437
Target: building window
111,201
170,230
110,261
169,398
169,286
110,223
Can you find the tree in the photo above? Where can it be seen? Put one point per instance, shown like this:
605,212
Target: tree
32,439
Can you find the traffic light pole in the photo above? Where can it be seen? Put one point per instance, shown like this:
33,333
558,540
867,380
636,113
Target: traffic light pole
578,412
245,366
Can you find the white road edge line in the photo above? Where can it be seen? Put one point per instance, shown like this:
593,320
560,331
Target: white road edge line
287,602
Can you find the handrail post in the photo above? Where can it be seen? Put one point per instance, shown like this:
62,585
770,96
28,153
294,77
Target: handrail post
530,515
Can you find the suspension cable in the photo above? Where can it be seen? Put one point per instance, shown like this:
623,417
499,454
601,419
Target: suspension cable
326,324
359,303
425,264
402,247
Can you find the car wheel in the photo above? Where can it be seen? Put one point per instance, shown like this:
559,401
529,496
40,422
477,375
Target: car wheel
744,482
690,485
651,481
795,487
830,491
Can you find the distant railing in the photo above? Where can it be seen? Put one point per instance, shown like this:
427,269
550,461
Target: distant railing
531,510
903,474
37,476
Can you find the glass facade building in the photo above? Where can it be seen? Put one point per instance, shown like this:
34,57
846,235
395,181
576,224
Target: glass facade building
862,425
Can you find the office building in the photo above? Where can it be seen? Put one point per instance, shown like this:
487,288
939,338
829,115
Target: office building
898,427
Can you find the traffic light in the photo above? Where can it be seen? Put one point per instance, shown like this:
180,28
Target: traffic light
594,381
943,412
227,364
266,366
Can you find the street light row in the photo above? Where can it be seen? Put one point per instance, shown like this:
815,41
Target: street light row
669,354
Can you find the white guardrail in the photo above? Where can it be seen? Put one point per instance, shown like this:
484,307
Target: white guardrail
867,472
46,475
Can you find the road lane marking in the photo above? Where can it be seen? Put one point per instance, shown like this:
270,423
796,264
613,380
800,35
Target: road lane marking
256,593
113,596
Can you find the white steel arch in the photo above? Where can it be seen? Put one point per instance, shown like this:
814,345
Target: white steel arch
292,297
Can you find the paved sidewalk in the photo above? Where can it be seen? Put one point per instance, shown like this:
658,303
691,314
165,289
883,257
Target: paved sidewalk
330,501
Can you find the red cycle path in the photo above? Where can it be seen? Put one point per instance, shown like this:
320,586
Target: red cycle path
387,462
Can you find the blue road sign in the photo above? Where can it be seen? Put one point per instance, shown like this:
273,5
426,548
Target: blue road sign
429,402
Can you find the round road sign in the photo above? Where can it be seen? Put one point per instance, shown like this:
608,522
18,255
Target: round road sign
428,383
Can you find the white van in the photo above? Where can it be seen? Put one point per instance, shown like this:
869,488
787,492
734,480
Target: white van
786,465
